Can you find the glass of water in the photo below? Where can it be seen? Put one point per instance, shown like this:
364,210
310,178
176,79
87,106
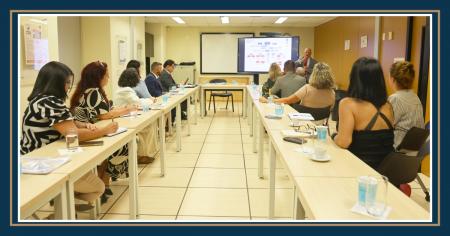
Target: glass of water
72,139
165,98
279,109
376,195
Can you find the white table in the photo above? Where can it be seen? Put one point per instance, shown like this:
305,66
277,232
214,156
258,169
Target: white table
222,87
38,190
88,160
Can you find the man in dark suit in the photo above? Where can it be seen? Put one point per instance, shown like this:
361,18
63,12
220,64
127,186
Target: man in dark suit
307,62
154,86
168,82
166,78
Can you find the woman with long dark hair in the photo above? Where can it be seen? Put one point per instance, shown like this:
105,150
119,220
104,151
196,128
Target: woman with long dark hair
47,119
90,104
365,116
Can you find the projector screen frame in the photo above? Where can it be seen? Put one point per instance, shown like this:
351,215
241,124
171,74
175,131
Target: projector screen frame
265,72
222,73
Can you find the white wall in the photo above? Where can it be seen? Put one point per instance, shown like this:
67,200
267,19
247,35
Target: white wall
27,72
183,43
69,43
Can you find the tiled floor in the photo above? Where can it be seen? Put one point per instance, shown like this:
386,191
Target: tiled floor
214,177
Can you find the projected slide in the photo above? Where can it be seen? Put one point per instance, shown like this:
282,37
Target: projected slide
256,54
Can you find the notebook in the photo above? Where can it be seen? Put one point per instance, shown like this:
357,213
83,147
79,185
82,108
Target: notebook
41,165
119,131
300,116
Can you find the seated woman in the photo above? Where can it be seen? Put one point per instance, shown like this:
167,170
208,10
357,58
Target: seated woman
365,116
47,119
317,94
90,104
274,73
126,95
408,111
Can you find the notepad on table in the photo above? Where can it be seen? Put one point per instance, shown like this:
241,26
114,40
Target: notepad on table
300,116
41,165
119,131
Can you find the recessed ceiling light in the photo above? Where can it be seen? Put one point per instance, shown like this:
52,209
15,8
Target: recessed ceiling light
281,20
178,20
225,19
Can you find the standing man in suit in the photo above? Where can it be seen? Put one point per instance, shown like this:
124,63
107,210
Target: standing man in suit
154,86
307,62
168,82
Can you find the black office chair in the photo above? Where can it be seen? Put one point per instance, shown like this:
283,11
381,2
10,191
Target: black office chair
317,113
220,94
401,168
413,140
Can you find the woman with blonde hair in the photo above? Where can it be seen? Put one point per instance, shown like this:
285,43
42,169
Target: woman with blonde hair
274,73
318,93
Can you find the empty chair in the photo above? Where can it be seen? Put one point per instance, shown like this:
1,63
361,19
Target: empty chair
220,94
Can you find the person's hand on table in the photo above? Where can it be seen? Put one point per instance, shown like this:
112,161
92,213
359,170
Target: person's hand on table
263,99
111,128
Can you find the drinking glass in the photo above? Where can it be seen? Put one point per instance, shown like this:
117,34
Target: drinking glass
165,98
376,195
72,139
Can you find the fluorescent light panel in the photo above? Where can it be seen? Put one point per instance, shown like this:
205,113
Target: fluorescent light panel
178,20
281,20
225,19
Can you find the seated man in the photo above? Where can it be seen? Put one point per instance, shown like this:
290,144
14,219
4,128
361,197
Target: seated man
154,86
168,82
288,84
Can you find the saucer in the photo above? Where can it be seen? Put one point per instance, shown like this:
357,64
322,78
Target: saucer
325,159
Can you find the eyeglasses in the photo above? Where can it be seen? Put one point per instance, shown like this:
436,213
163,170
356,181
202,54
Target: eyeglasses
305,128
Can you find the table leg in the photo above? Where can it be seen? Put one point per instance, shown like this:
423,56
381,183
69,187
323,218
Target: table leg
188,101
299,211
70,200
249,108
244,103
61,205
162,142
253,128
202,101
261,149
273,164
133,181
178,126
195,107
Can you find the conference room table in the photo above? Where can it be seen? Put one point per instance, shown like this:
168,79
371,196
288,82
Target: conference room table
81,163
222,87
318,183
175,101
38,190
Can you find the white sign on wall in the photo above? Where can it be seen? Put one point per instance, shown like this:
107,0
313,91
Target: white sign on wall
364,41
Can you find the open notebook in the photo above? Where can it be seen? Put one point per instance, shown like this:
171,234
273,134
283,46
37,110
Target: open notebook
119,131
41,165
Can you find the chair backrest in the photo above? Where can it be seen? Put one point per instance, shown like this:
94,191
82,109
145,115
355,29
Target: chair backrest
216,81
414,139
317,113
424,150
339,95
399,168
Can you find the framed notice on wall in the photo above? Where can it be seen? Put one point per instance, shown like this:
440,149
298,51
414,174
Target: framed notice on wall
122,51
36,46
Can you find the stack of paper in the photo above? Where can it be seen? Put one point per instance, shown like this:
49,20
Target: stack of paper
119,130
41,165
